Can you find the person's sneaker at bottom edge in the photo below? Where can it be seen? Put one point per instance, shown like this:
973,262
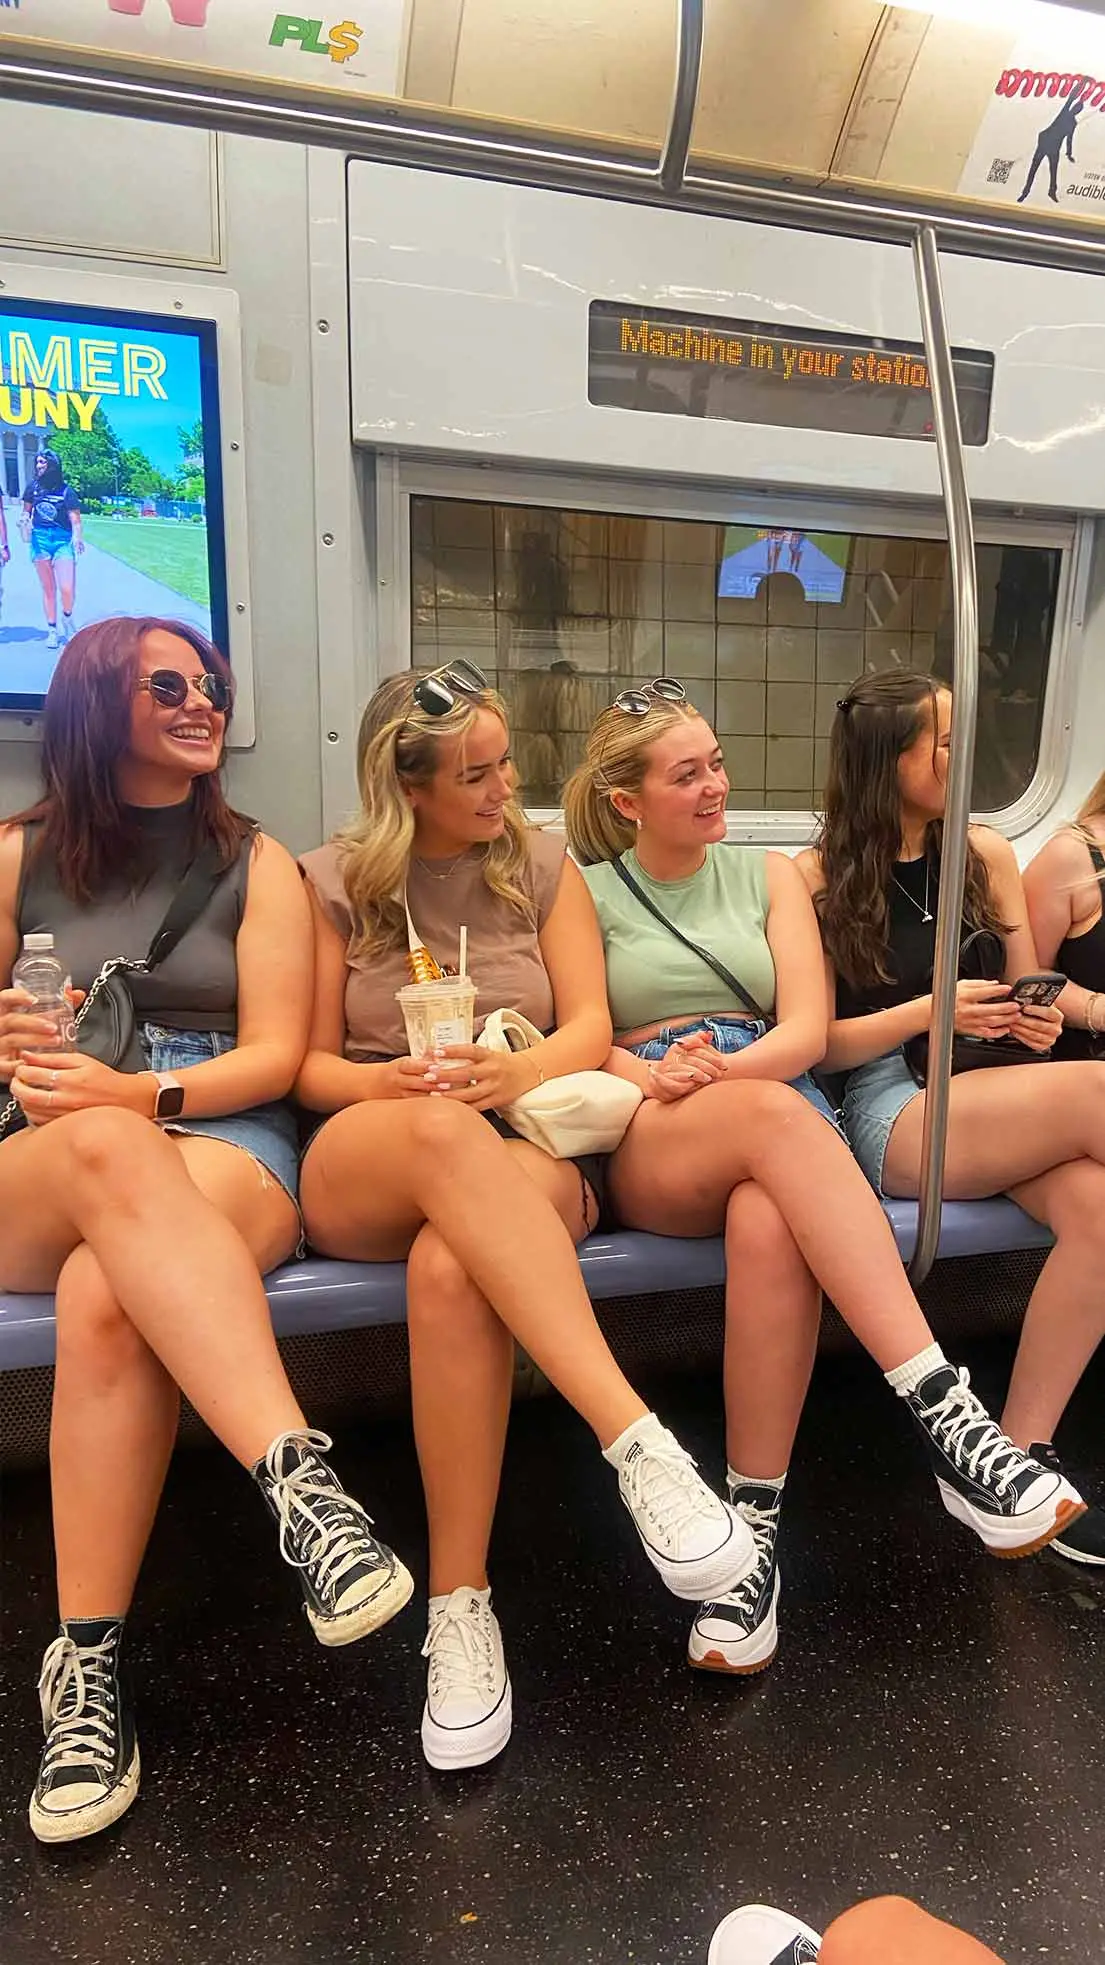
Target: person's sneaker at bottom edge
1084,1540
90,1768
467,1716
699,1545
758,1935
351,1583
1015,1504
739,1632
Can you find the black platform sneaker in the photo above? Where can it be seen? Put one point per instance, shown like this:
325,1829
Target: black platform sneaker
90,1767
1084,1540
1015,1504
739,1632
352,1584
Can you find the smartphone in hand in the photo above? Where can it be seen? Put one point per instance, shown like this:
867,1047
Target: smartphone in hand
1040,991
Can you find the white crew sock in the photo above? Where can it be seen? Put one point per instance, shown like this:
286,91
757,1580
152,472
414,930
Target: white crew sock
646,1431
777,1481
905,1379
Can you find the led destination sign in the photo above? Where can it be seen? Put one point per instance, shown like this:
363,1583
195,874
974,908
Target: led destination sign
679,364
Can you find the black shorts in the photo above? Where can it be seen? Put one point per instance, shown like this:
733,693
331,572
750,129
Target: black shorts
591,1168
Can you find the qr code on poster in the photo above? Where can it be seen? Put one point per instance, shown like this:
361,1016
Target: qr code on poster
1001,170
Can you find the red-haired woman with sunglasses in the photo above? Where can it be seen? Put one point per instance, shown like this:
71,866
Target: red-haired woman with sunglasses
415,1161
153,1234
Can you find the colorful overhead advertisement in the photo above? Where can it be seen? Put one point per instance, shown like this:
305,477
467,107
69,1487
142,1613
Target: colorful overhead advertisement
355,51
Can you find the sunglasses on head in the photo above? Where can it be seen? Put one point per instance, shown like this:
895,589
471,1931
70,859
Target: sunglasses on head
437,694
169,688
638,702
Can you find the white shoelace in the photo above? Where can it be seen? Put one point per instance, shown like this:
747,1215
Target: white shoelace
764,1523
955,1417
78,1679
460,1645
331,1538
664,1484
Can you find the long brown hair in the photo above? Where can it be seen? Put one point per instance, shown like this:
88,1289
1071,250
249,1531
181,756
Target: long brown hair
397,747
616,759
860,837
84,825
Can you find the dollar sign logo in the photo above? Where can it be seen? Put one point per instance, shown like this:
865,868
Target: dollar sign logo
344,39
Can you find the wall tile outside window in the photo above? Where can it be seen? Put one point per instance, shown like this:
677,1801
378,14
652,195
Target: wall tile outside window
563,609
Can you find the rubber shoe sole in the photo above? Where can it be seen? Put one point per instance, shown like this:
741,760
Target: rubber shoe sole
72,1825
1077,1555
745,1656
1012,1537
713,1575
759,1925
452,1748
365,1617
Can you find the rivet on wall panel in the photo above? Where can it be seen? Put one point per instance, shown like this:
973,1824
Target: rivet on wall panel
327,538
323,327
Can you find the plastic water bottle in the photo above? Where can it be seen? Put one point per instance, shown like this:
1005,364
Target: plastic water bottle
39,972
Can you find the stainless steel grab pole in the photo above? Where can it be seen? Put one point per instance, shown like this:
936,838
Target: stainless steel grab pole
953,863
688,71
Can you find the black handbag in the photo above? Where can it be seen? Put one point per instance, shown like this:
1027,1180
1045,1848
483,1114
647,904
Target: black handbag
973,1053
107,1023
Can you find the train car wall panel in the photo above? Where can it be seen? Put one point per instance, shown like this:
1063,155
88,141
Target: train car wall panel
470,303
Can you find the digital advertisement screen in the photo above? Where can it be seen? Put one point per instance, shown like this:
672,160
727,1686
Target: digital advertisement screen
110,480
750,553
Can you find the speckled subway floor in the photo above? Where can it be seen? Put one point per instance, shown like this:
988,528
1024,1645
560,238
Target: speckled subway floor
933,1725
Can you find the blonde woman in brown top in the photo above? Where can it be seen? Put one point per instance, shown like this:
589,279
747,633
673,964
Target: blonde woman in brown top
416,1163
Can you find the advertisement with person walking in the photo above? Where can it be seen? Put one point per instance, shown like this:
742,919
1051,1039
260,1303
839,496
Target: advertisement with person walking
1041,141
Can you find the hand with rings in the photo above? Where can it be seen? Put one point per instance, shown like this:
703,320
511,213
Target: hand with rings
469,1075
49,1085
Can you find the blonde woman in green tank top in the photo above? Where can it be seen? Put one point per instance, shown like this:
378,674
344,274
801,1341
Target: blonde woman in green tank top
734,1139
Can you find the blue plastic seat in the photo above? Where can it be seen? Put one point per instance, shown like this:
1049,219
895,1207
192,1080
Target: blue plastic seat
318,1295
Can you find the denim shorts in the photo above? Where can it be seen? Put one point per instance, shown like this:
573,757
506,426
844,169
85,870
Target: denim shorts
51,545
266,1132
875,1095
732,1034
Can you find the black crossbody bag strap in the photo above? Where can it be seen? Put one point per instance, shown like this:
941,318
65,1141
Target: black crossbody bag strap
728,978
189,901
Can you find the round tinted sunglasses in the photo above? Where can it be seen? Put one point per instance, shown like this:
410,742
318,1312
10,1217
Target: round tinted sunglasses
638,702
437,694
169,688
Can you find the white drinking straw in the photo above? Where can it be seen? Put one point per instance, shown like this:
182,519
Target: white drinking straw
463,952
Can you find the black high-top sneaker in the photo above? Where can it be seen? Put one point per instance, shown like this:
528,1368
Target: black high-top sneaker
1084,1540
352,1584
90,1767
739,1632
1014,1504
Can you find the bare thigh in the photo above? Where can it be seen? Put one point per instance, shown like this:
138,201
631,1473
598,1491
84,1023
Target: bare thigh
246,1193
561,1183
668,1175
1004,1127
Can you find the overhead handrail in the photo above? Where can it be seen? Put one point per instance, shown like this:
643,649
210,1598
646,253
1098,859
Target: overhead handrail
961,760
688,72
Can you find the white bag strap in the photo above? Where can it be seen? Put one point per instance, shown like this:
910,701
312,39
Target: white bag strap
509,1030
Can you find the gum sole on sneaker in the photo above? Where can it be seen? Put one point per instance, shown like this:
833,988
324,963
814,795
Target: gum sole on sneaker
367,1617
73,1825
715,1661
450,1749
1066,1513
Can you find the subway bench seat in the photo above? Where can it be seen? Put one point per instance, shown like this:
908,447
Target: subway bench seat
318,1295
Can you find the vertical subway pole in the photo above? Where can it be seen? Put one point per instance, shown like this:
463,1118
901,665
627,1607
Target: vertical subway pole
688,69
953,864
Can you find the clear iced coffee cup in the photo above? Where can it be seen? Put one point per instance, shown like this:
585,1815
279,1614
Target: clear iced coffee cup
437,1013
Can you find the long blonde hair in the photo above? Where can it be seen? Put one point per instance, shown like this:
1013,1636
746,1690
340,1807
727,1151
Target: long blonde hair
397,747
616,759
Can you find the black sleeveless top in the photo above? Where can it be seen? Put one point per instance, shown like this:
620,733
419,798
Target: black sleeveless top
196,988
911,927
1082,960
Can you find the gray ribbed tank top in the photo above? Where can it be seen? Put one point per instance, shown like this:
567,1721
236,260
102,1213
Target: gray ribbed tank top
197,987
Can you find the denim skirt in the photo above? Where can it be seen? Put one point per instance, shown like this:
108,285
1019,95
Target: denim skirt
731,1034
266,1132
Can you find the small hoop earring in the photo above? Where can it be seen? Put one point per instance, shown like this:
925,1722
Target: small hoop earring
638,823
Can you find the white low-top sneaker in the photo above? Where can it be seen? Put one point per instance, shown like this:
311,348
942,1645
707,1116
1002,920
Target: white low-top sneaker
758,1935
700,1546
467,1717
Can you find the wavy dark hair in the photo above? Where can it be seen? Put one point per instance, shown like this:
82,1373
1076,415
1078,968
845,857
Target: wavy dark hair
81,821
860,837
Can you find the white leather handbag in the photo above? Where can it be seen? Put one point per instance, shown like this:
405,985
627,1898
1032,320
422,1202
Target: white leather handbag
581,1112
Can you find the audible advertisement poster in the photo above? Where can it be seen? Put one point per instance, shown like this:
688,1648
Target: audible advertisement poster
110,480
355,49
1041,142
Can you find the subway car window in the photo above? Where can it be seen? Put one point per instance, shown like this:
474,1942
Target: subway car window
765,625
